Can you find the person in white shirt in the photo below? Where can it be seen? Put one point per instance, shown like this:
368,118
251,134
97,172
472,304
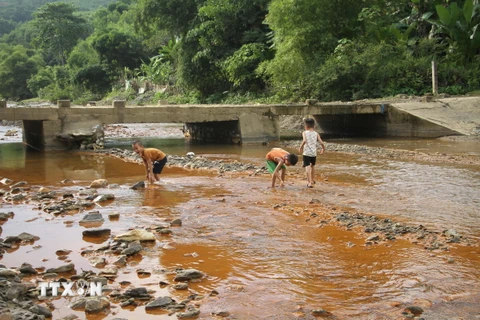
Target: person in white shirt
308,148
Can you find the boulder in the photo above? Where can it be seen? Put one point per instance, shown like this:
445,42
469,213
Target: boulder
188,274
99,183
137,234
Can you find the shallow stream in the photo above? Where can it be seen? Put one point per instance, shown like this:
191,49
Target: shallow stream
266,252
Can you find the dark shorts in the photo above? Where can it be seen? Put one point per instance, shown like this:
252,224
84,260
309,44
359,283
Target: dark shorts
307,161
158,165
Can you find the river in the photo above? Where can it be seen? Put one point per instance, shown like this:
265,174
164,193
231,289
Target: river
268,253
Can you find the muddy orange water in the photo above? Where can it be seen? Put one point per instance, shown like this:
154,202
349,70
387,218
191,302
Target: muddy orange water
265,253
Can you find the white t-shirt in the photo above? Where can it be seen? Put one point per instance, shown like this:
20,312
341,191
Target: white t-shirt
310,147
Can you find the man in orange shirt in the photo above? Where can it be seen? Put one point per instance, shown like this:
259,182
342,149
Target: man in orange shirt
153,159
277,160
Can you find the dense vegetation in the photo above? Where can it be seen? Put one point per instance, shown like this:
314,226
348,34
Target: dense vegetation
235,51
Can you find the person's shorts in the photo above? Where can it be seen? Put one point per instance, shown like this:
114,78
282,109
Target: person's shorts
158,165
272,165
307,161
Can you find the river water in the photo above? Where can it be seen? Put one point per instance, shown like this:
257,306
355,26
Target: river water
266,252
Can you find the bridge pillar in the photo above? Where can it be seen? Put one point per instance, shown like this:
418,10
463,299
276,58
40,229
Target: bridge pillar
257,128
3,104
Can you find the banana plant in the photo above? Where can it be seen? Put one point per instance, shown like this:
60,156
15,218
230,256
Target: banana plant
461,26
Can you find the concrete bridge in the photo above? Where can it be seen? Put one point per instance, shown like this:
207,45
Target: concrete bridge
44,127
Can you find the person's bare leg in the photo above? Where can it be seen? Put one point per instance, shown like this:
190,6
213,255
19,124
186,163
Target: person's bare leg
313,174
308,169
283,174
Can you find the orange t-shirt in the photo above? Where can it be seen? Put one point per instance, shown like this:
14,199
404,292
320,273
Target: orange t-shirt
276,153
153,154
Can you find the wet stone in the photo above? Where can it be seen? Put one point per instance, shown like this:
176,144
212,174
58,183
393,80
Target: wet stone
18,184
188,274
132,248
99,183
180,286
62,252
161,302
65,268
98,232
92,217
4,216
137,292
137,234
41,310
27,268
138,185
27,237
96,305
104,197
190,313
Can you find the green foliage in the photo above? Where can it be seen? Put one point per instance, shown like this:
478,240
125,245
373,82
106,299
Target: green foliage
119,49
52,83
461,25
59,29
17,64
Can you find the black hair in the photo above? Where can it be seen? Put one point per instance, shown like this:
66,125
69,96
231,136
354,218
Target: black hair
138,142
309,122
292,158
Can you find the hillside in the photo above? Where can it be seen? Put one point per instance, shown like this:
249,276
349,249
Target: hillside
21,10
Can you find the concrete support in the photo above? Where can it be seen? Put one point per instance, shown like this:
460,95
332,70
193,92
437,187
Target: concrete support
119,110
63,103
255,128
3,104
218,132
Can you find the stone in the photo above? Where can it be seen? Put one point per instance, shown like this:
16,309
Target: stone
62,252
78,304
98,262
104,197
133,248
15,291
99,183
161,302
41,310
176,223
92,217
43,190
191,312
27,237
18,184
27,268
180,286
62,269
137,234
6,181
121,261
4,216
137,292
96,305
138,185
98,232
188,274
70,317
113,215
7,273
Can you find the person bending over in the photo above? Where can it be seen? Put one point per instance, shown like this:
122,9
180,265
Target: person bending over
277,160
153,159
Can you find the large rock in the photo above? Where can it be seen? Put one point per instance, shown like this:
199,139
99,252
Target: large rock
137,234
27,237
92,217
188,274
99,183
98,232
133,248
161,302
65,268
96,304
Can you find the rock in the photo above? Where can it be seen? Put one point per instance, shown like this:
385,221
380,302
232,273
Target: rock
121,261
62,252
26,268
11,133
22,314
18,184
92,217
133,248
12,239
15,291
96,305
161,302
7,273
190,313
138,185
414,310
452,236
137,234
78,304
188,274
137,292
6,181
50,275
180,286
62,269
98,232
27,237
222,314
104,197
98,262
176,223
113,215
41,310
321,313
4,216
70,317
43,190
99,183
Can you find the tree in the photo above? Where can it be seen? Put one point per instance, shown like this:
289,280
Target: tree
59,29
17,65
